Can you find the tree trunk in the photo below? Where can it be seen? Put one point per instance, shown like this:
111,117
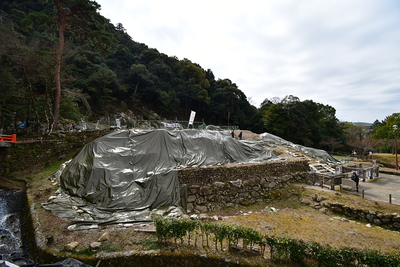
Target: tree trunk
57,73
134,92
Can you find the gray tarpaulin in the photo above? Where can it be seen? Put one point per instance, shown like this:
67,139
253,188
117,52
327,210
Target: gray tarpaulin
121,176
318,154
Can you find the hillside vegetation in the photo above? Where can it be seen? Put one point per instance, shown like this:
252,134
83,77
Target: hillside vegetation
99,70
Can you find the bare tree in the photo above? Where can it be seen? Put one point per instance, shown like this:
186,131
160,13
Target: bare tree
332,143
363,145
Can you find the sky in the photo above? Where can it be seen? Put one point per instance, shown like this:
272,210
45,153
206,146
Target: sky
341,53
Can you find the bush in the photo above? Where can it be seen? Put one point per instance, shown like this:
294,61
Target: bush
374,258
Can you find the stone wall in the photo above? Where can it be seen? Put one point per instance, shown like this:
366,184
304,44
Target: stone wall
387,220
214,188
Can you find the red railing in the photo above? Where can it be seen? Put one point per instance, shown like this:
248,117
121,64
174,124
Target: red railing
8,138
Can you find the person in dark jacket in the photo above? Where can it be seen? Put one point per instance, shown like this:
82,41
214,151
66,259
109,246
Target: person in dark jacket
355,178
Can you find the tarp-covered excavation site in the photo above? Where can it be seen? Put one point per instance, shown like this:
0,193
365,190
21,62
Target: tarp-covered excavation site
317,154
121,177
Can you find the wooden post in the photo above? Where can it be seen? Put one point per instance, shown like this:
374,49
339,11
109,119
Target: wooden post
362,193
390,198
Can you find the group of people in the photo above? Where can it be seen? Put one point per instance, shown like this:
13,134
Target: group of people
240,135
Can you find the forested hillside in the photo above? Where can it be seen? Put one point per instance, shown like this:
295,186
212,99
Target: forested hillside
63,56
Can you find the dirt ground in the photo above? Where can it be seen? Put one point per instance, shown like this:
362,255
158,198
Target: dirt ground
247,135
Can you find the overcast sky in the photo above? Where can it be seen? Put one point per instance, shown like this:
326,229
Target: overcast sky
342,53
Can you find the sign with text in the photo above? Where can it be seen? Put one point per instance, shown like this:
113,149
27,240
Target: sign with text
192,115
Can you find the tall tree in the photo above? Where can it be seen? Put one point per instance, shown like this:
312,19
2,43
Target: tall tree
80,18
385,129
302,122
386,132
139,75
193,85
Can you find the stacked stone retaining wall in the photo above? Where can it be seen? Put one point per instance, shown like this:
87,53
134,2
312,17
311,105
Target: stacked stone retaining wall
386,220
214,188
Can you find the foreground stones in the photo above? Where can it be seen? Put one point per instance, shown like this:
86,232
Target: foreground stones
71,246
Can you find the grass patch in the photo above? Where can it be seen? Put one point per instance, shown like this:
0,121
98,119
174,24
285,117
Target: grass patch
384,158
150,243
89,251
311,226
85,251
109,248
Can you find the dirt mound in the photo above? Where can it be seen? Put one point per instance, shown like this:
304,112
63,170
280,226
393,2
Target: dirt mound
247,135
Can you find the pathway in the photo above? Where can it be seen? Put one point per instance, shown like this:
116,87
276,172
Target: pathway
381,188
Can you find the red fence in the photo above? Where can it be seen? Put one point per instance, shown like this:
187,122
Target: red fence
8,138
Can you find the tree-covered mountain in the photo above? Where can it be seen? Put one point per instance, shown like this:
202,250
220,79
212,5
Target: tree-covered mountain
63,52
104,68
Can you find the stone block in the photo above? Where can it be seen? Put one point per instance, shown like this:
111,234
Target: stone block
104,237
95,245
191,198
264,183
218,184
205,191
71,246
237,183
251,182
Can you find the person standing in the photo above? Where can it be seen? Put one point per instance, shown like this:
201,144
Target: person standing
356,179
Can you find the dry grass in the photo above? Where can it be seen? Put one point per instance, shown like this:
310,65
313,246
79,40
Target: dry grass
308,224
384,158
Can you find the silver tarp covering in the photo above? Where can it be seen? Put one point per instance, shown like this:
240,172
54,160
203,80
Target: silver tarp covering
317,154
121,176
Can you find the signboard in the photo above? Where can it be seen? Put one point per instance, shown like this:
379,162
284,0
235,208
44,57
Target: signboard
191,119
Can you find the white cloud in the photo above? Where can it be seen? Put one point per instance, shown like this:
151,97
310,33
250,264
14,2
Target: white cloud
336,52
